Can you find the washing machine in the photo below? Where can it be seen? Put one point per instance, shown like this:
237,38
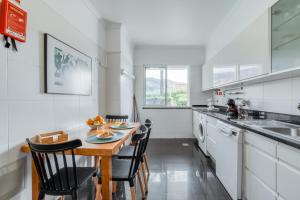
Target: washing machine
199,130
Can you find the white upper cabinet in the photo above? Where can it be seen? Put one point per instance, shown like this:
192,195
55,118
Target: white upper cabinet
247,56
285,35
207,81
253,49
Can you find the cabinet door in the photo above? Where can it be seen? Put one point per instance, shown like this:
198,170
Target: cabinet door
255,189
247,56
211,143
288,182
254,49
223,74
207,77
288,172
285,35
262,165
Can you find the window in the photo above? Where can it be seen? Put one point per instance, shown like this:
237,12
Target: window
166,86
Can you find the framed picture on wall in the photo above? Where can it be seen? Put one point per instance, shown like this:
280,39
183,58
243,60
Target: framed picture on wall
67,70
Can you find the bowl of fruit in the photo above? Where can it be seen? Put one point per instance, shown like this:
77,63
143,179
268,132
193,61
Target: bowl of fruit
96,122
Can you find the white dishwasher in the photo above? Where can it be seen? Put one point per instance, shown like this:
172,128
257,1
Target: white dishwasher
229,158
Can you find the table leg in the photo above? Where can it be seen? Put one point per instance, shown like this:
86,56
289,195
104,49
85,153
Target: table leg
106,174
35,182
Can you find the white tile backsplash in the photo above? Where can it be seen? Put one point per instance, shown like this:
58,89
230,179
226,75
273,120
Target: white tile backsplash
281,89
280,96
254,92
296,86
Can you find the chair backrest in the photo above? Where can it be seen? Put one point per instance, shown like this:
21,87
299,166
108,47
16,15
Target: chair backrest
116,118
57,176
139,139
148,123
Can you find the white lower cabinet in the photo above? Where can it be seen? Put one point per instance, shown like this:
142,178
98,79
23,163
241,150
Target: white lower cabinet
259,167
271,169
262,165
211,142
288,172
255,189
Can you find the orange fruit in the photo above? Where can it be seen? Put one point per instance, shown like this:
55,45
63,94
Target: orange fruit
90,122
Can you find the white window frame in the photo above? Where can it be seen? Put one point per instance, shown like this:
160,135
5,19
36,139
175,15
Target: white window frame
165,66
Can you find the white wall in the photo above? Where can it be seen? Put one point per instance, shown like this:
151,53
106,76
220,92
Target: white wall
25,109
120,56
243,13
127,83
170,123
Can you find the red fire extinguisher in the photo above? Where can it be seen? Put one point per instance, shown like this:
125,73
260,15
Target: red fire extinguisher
13,22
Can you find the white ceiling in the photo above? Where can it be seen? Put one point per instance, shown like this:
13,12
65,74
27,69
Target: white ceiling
166,22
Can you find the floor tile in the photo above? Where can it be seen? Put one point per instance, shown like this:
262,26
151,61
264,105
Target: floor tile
177,173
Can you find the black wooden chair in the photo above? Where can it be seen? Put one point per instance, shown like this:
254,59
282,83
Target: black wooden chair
57,177
116,118
127,151
128,169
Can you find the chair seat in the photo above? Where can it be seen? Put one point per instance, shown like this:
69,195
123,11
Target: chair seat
120,169
83,174
126,152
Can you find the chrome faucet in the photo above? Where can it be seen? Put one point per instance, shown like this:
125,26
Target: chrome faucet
241,103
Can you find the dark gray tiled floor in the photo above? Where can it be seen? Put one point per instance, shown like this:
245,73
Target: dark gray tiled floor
177,173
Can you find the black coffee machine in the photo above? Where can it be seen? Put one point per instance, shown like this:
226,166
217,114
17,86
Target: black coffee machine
232,111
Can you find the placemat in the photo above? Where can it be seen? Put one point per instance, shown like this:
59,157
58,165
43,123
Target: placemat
94,140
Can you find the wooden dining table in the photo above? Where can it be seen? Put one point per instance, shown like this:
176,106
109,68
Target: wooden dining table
105,151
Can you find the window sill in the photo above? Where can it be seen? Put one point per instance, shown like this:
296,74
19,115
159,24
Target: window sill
165,107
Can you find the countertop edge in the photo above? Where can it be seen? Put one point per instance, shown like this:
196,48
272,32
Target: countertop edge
273,137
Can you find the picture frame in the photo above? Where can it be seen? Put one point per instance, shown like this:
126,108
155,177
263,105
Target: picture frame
67,70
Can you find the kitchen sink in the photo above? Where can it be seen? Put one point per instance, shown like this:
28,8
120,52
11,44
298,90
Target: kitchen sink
259,123
275,127
293,132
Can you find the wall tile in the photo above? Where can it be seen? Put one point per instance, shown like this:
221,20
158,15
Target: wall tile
295,96
26,83
26,119
281,89
3,73
256,104
88,109
278,105
294,107
3,132
30,54
278,96
254,91
66,114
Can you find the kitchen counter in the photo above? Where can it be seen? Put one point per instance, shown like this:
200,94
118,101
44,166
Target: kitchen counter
239,123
